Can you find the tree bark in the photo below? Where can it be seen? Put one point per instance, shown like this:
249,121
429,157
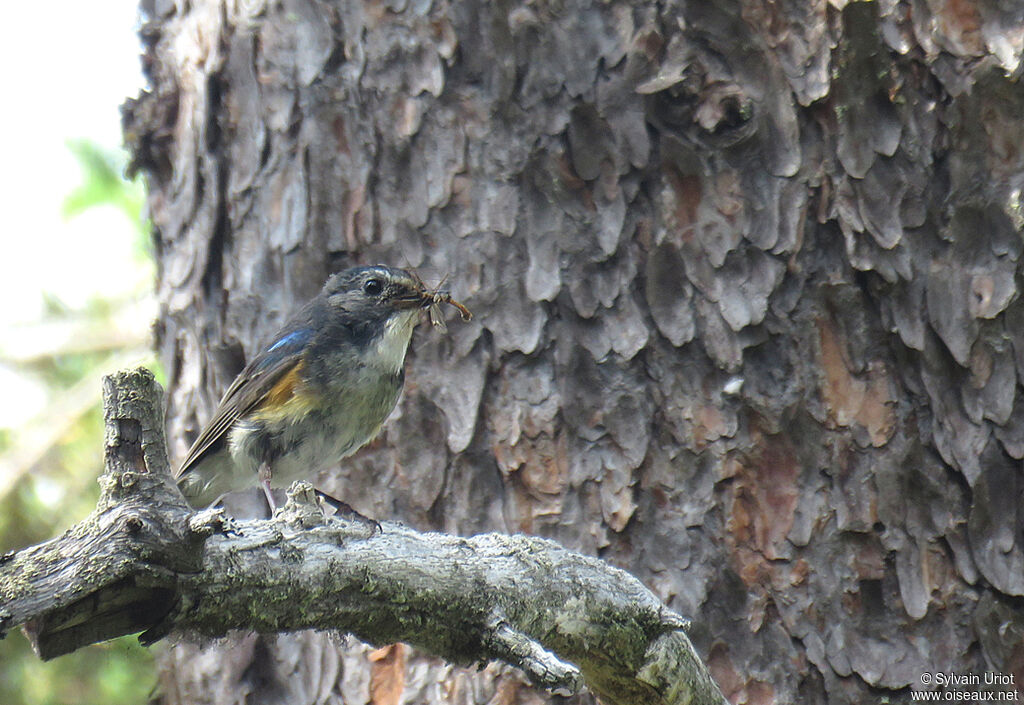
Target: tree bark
745,284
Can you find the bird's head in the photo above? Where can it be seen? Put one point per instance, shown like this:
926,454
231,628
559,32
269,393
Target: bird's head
380,305
377,290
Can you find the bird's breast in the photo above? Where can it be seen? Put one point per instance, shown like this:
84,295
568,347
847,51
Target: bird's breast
345,414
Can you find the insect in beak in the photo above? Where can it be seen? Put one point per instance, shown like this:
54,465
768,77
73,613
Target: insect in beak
432,300
443,296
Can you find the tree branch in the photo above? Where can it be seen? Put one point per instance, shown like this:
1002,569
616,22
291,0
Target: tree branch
143,561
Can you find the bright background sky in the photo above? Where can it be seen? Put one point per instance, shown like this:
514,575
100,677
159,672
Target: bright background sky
66,67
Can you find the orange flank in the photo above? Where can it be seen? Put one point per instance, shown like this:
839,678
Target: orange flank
288,398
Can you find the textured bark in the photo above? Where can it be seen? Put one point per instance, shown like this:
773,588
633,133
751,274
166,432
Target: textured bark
99,580
745,282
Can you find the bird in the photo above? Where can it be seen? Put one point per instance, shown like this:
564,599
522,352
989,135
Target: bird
319,390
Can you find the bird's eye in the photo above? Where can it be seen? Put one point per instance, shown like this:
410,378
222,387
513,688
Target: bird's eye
373,287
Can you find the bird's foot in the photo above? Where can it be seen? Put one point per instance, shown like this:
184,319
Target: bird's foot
344,510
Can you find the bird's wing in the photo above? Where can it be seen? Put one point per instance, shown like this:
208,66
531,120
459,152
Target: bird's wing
260,378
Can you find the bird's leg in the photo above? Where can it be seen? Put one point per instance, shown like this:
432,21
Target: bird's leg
215,502
264,476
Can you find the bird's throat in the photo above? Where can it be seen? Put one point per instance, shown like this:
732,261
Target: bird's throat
394,340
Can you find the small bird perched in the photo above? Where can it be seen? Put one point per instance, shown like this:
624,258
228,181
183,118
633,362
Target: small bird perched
318,392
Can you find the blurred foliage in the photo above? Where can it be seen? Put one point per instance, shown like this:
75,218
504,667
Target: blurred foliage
103,183
59,488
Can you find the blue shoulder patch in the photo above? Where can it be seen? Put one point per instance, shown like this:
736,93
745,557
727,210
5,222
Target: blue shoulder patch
295,338
288,347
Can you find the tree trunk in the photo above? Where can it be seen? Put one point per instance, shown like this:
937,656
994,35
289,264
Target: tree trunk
745,284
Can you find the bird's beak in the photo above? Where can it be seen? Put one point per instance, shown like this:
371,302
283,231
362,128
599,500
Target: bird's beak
421,299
